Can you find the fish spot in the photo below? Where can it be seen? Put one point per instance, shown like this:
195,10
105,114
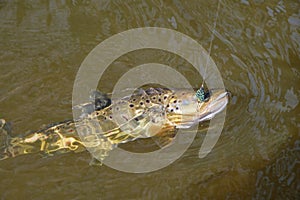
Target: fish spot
147,101
159,100
133,99
110,117
141,103
168,106
154,98
124,117
171,110
175,101
177,108
165,97
131,105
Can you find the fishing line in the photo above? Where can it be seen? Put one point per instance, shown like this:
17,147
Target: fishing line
211,42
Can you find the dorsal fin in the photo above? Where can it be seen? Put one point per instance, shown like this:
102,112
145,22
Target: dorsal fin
98,101
151,91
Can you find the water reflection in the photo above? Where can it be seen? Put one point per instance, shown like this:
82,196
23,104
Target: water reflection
256,48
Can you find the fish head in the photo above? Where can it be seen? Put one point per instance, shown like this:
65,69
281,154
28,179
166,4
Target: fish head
190,107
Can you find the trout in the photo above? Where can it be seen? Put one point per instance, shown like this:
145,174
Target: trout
106,123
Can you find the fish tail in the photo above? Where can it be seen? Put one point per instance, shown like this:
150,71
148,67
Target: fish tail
5,138
37,142
11,146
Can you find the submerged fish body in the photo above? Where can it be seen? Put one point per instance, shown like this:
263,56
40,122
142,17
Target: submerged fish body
144,114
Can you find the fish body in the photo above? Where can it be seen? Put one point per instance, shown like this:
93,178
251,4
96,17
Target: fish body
105,123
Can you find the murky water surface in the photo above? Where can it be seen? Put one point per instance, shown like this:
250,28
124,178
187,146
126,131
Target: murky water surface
256,49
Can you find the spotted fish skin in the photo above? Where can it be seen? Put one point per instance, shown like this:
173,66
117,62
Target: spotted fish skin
144,114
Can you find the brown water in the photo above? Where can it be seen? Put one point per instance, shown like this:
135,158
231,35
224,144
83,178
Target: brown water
256,48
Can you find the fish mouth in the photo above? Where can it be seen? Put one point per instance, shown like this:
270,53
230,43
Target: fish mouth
216,105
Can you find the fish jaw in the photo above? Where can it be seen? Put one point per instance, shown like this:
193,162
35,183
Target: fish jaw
217,103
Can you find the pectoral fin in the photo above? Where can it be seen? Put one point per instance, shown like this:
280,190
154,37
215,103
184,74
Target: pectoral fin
165,137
